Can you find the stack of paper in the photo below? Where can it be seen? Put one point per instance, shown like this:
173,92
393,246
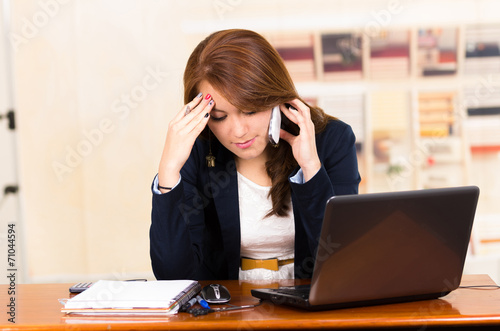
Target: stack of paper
390,55
297,51
122,297
342,56
482,46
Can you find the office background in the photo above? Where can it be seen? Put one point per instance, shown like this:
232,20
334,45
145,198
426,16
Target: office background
94,84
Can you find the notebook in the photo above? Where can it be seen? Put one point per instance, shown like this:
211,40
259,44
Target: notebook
107,297
386,247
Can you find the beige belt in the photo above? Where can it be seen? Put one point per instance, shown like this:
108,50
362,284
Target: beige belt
270,264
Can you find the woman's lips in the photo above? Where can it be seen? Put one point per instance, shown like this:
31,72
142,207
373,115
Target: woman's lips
245,144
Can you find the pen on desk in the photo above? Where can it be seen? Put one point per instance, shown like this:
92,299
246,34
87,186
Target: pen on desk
202,302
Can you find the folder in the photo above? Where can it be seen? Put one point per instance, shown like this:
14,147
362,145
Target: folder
133,298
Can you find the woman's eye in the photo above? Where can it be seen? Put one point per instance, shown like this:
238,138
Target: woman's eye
249,113
217,119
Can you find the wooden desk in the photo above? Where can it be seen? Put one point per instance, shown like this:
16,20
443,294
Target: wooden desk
37,307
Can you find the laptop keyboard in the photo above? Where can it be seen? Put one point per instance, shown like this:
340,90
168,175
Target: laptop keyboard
299,290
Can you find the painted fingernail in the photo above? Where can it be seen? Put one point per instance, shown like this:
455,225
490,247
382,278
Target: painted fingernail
199,95
206,115
208,96
211,102
188,109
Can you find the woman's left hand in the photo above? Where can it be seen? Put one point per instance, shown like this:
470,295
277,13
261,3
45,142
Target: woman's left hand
303,145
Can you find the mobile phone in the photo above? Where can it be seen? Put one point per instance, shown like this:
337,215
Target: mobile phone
275,125
80,287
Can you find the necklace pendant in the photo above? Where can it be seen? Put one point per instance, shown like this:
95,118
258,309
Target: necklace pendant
210,160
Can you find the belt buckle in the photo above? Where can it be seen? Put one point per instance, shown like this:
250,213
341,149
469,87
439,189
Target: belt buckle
271,264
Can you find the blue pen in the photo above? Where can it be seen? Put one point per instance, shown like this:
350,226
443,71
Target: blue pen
202,302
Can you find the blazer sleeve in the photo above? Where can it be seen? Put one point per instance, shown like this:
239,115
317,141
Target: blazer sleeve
338,175
177,226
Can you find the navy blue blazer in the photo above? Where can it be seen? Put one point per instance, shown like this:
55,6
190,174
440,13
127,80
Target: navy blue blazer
195,228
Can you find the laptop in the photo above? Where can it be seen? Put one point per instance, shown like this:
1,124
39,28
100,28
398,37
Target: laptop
384,248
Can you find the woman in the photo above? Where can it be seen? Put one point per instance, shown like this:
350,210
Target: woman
227,204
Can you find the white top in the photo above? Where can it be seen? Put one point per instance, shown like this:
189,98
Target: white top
261,238
264,238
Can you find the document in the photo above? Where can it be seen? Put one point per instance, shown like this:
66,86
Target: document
122,297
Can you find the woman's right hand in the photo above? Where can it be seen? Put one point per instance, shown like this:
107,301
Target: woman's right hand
181,135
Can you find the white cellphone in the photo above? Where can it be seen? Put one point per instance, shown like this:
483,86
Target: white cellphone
275,125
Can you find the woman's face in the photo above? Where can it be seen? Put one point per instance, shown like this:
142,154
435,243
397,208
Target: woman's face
243,132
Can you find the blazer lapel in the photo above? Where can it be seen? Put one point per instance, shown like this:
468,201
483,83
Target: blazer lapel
224,183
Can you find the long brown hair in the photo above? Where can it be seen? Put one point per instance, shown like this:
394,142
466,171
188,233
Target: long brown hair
244,68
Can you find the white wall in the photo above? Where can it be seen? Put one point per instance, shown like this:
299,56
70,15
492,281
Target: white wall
96,82
9,202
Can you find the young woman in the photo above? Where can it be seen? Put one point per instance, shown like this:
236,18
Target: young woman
228,204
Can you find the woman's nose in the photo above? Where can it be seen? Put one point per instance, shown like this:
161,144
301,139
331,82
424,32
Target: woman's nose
239,126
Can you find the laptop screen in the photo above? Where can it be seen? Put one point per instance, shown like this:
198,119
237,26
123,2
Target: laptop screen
387,245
